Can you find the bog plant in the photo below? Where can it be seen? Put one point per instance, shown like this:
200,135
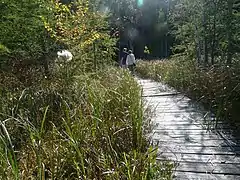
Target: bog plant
216,87
77,120
91,128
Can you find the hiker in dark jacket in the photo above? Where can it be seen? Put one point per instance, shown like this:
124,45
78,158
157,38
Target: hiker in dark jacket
124,58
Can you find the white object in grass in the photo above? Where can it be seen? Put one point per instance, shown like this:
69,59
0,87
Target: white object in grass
65,55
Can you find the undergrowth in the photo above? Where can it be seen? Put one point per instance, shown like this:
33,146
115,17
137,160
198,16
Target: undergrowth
217,87
88,126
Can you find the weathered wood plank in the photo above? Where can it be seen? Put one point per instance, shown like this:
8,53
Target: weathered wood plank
199,158
197,150
161,124
197,131
171,128
189,133
179,127
187,137
199,161
204,152
187,143
203,176
179,116
197,122
172,132
225,169
162,94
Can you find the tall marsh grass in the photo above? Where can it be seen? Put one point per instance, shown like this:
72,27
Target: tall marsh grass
88,127
217,87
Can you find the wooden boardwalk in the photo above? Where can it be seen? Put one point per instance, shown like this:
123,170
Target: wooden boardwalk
183,131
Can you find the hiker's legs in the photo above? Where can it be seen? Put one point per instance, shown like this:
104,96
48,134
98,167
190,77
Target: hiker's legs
131,68
124,66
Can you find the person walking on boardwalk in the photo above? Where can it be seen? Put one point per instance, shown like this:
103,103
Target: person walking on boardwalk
124,58
131,61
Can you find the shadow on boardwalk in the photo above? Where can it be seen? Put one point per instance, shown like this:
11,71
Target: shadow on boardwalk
185,134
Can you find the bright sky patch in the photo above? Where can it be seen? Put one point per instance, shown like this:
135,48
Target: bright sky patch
140,2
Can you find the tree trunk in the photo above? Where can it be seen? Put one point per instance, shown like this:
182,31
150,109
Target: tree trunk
94,56
205,30
197,45
214,35
46,65
166,47
229,32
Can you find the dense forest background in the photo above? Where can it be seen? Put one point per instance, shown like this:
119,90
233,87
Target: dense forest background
207,30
